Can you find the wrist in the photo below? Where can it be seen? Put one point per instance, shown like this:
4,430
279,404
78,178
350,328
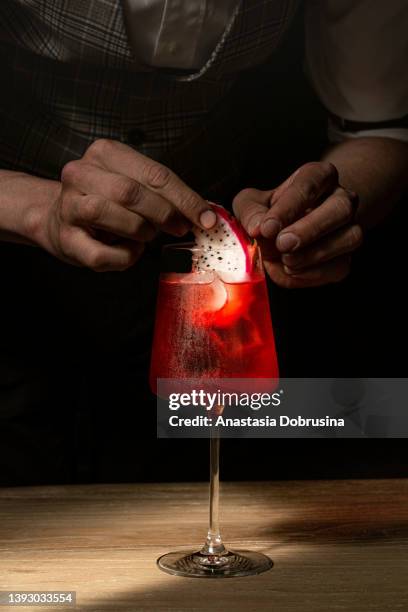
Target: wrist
375,168
35,219
25,204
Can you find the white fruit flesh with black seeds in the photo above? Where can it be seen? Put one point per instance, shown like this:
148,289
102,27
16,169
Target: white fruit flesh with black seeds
225,248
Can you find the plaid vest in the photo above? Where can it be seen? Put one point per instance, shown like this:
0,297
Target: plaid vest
69,77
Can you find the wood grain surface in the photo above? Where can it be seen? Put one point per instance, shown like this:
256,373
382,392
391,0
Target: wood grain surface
337,546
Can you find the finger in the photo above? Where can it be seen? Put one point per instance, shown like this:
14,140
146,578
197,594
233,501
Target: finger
331,271
78,246
277,274
304,190
315,277
91,179
121,159
341,242
250,207
335,212
97,212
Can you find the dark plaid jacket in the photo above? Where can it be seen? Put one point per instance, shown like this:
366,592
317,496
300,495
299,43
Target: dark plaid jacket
69,77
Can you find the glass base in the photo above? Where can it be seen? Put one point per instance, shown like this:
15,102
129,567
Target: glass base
227,565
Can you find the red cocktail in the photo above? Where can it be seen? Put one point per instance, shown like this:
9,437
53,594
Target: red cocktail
209,328
213,327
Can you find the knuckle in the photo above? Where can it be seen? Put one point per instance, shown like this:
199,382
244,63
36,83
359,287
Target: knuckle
96,261
127,190
247,201
355,236
312,165
313,176
92,209
322,170
157,175
329,170
70,171
314,168
306,189
343,207
245,195
100,148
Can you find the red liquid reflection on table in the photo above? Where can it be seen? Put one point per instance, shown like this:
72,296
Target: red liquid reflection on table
207,328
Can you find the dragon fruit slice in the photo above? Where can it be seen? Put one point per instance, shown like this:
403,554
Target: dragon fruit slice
225,248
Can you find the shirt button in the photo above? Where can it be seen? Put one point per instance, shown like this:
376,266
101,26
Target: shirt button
136,136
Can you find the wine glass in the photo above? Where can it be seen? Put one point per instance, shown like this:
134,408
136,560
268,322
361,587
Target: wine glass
210,329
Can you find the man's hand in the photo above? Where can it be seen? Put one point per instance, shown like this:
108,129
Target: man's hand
305,227
111,203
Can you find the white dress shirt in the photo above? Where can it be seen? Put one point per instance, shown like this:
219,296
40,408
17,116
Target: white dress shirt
357,60
179,34
356,51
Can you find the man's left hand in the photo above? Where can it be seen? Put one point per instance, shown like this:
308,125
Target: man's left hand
306,227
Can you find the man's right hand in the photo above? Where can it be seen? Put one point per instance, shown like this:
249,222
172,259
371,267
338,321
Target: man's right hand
112,201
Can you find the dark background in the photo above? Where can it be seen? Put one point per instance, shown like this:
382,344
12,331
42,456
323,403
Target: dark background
104,429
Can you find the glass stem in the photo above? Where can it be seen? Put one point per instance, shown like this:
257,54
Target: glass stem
213,544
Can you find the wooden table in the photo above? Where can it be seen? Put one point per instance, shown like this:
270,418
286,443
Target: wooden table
340,545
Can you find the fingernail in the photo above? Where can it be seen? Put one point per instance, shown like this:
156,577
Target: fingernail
287,259
287,242
270,228
287,270
208,219
254,224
